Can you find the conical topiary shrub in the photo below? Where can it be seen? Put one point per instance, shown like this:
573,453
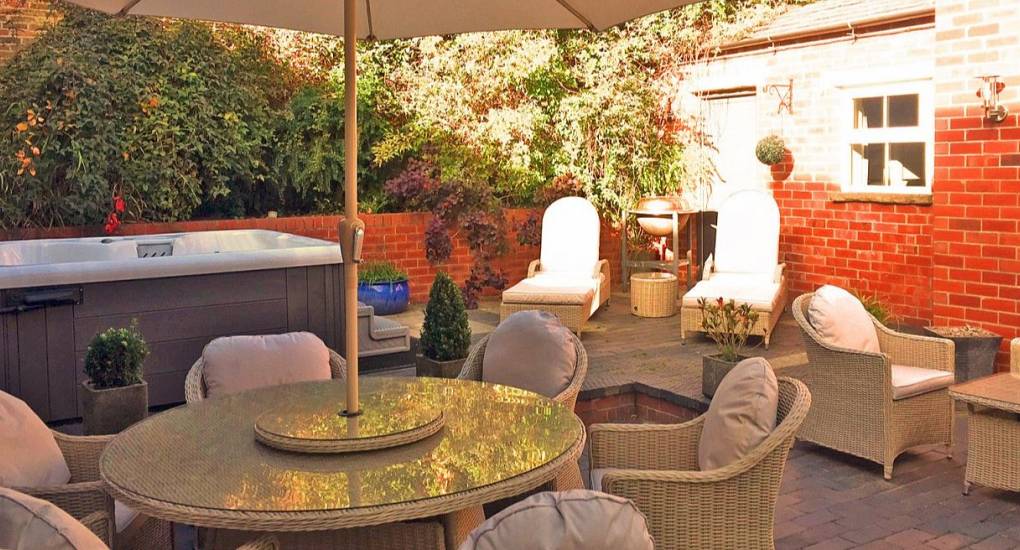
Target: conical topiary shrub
445,335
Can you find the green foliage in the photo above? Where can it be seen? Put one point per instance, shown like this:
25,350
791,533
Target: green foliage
728,325
770,150
380,272
875,306
115,356
167,115
445,333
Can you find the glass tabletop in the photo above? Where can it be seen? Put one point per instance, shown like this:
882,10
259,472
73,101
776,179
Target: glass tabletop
205,455
1001,390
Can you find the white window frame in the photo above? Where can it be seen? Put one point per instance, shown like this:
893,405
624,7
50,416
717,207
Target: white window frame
924,132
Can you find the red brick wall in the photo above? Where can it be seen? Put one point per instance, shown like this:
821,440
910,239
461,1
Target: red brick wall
20,23
398,238
977,169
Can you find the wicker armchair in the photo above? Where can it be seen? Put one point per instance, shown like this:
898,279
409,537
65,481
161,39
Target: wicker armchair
1014,356
194,383
570,477
85,498
854,409
656,466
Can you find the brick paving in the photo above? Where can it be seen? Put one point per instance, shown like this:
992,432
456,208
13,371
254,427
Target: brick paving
828,501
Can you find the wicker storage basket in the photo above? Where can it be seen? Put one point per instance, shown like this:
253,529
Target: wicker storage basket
653,294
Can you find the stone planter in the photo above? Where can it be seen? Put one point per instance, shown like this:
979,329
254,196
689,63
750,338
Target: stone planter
437,369
975,354
111,410
713,369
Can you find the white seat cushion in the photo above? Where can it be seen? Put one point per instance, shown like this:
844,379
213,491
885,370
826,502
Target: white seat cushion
741,416
596,475
553,289
569,520
123,515
911,381
29,455
531,350
29,523
841,320
756,290
237,363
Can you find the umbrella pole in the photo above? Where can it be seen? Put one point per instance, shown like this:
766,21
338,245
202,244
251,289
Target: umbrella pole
351,227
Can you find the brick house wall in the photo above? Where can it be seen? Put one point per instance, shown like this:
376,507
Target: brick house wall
20,22
398,238
977,169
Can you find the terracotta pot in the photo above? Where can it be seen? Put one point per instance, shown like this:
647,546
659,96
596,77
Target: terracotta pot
111,410
437,369
713,369
975,355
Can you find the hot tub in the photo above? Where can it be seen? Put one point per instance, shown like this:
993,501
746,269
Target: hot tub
184,289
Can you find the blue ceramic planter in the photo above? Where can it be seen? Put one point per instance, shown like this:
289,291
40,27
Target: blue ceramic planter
386,298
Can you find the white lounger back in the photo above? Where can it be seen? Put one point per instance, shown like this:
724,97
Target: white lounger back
570,237
747,238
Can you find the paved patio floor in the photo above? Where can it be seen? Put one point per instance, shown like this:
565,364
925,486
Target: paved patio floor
828,500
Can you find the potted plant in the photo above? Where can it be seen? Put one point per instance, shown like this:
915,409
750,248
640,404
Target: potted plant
728,325
384,287
114,396
445,334
976,349
771,150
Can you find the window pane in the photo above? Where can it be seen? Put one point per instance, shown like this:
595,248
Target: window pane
906,164
868,112
867,164
903,110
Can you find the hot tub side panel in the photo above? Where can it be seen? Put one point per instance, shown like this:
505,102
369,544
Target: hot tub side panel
43,351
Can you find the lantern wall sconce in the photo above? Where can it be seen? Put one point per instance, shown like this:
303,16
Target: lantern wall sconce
989,94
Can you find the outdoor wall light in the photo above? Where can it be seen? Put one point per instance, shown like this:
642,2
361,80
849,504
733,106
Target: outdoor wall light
989,94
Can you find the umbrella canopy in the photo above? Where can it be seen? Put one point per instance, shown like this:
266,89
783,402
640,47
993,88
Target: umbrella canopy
386,19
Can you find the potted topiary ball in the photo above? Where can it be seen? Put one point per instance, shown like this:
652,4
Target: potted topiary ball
114,396
771,150
445,334
384,287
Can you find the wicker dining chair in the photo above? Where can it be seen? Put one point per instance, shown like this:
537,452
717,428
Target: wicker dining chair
854,410
570,477
194,383
85,498
656,466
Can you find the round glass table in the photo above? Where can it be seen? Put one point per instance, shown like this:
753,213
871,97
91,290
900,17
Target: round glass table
201,464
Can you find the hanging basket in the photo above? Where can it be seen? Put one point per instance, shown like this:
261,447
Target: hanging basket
771,150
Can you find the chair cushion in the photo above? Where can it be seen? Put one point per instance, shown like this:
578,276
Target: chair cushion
238,363
911,381
756,290
841,320
742,414
747,235
570,237
29,523
596,475
553,289
533,351
123,515
570,520
29,455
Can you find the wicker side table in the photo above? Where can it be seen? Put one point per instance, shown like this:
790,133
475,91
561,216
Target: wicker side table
653,294
993,431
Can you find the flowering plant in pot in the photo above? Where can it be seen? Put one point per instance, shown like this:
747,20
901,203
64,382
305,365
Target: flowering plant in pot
975,351
728,325
384,287
115,396
445,333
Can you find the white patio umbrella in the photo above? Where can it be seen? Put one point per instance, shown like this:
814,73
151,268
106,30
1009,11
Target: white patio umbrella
381,20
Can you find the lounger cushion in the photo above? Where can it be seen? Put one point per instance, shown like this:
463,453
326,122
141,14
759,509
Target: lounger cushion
742,414
238,363
553,289
747,235
29,455
531,350
569,520
757,290
841,320
911,381
29,523
570,237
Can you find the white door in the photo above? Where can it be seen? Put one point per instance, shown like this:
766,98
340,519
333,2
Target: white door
731,128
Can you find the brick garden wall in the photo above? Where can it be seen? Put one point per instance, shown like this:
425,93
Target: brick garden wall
20,22
977,169
398,238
